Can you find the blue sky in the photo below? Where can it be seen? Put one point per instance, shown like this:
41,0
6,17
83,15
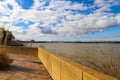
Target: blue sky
62,20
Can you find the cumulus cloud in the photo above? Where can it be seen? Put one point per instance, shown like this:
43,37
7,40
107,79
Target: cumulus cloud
53,18
105,5
87,23
118,18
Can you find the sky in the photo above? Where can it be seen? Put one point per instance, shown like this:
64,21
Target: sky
62,20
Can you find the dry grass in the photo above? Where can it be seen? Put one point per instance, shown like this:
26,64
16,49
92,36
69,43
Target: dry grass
4,58
106,65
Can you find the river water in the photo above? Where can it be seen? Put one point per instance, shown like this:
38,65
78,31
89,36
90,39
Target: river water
99,53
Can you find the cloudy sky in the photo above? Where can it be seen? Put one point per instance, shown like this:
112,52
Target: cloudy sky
66,20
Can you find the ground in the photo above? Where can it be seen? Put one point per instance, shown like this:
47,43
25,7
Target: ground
25,68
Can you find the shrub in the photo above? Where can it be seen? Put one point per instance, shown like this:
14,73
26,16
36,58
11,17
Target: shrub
4,58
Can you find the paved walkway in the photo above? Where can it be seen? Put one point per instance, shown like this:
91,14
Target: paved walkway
25,68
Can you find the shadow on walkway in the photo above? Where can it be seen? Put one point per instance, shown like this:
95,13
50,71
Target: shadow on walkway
15,68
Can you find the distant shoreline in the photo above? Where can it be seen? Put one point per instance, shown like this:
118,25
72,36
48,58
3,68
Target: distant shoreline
70,42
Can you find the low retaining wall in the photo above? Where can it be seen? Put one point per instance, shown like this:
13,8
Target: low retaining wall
61,68
23,50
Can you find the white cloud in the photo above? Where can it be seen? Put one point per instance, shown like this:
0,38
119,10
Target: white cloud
105,21
67,5
38,4
105,5
14,4
35,16
88,23
65,22
75,17
3,8
118,19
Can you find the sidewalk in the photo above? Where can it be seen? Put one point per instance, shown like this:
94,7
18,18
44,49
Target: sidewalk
25,68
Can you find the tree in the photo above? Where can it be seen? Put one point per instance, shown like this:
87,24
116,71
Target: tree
6,36
2,35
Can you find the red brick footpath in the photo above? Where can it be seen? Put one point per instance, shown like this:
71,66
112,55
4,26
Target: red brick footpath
25,68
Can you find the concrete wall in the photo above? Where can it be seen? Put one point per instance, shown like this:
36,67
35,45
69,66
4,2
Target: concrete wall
23,50
61,68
